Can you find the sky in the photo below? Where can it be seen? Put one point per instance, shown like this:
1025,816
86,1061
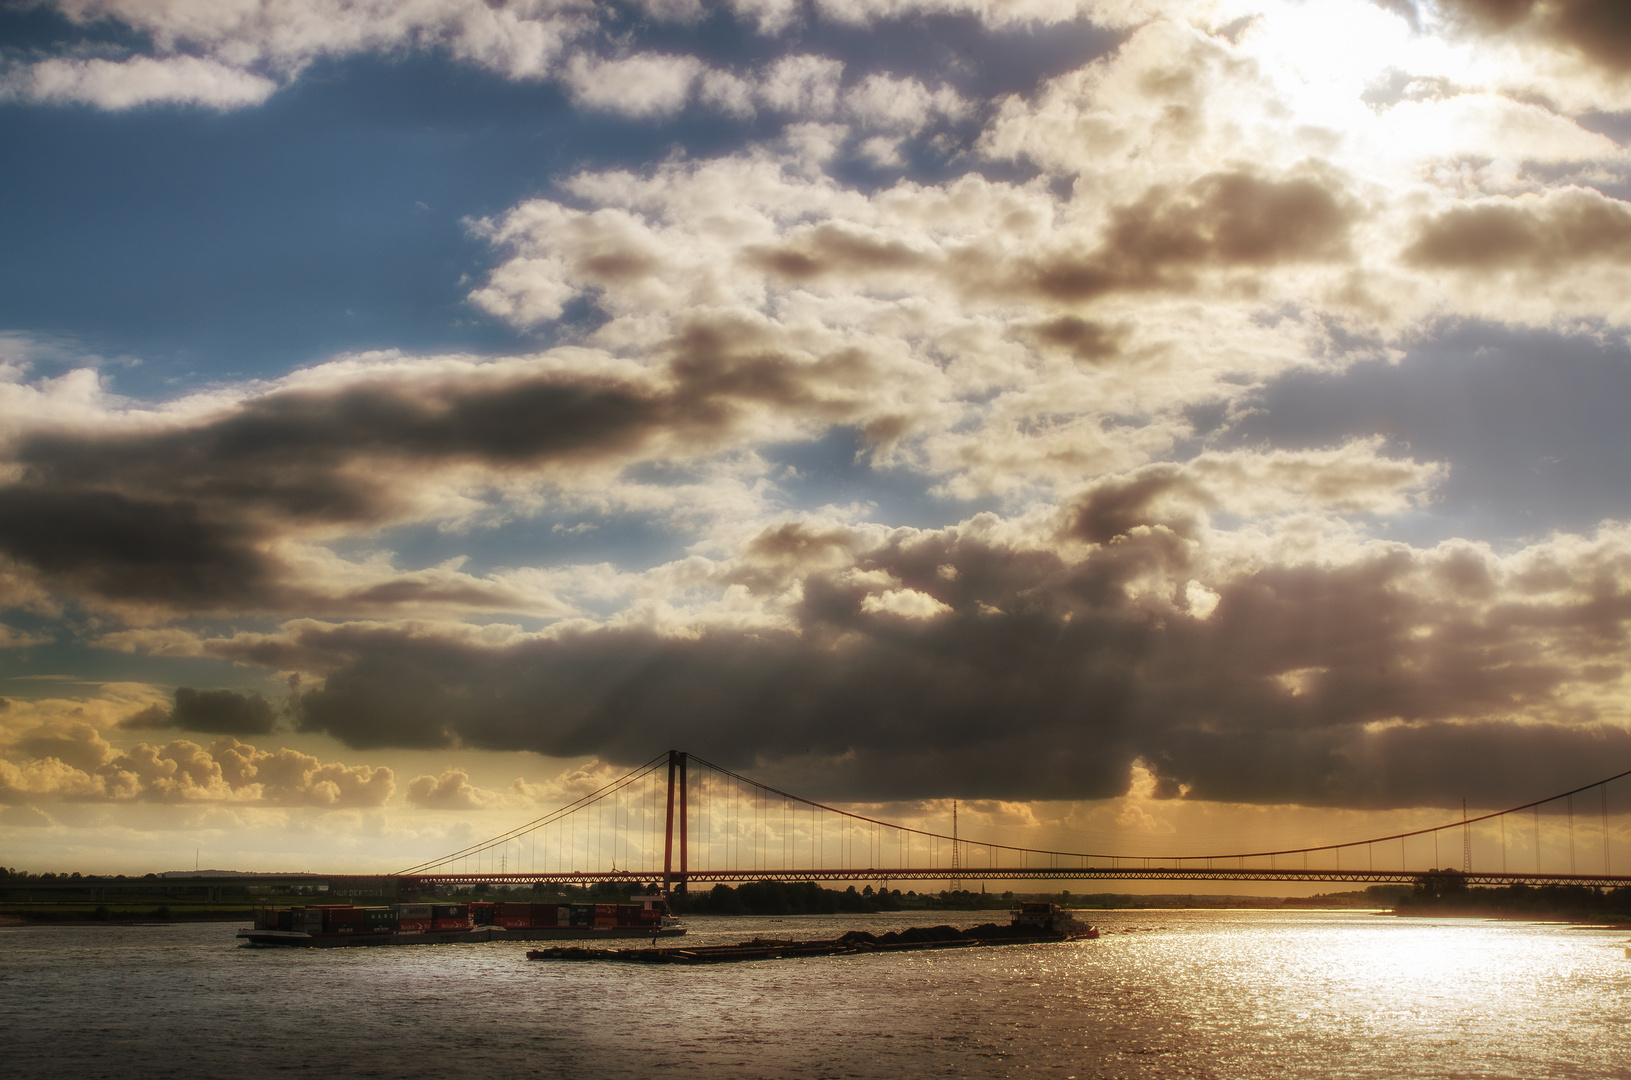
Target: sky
1160,425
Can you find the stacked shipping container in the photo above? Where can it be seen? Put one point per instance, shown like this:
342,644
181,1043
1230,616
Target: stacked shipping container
331,919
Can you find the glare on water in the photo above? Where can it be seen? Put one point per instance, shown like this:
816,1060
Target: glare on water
1161,994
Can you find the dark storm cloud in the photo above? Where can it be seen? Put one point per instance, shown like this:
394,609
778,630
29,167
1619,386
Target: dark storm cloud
184,516
223,712
1551,233
110,544
1388,682
216,712
1600,30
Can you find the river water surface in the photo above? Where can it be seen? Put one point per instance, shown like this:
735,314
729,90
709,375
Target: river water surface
1161,994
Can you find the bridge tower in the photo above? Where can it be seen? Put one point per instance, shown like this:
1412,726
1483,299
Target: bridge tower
676,770
1466,841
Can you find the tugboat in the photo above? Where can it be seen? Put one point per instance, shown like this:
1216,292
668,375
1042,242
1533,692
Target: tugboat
1050,919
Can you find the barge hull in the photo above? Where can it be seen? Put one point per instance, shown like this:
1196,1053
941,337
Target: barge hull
779,950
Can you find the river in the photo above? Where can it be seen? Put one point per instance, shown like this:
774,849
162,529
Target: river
1165,994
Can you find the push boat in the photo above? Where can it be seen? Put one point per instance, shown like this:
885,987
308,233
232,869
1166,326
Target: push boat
342,925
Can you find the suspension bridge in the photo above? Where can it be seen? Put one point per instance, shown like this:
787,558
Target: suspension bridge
681,821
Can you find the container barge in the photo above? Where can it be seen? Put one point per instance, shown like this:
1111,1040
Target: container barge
331,925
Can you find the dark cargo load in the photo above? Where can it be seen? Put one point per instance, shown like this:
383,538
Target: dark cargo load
449,911
582,915
414,911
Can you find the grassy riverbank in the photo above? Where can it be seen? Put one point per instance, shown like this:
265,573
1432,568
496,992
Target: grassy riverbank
20,914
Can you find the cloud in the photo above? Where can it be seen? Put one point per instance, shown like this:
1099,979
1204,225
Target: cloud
24,817
50,767
1541,233
515,39
451,790
1046,669
1595,30
53,749
802,84
643,86
189,514
237,55
901,104
1221,220
218,712
223,712
1192,215
139,81
75,744
12,638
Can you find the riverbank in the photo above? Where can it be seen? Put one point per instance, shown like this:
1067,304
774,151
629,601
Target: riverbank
96,914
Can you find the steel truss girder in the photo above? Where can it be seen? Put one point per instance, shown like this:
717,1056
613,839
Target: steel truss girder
1156,873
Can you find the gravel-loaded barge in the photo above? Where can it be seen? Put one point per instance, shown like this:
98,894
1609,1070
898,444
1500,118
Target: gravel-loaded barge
1032,924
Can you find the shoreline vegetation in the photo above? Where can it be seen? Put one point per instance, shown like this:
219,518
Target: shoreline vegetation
1439,893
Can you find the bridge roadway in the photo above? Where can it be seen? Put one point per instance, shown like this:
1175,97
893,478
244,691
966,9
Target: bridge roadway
1095,873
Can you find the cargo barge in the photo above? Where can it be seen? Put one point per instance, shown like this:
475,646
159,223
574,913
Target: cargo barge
1031,924
342,925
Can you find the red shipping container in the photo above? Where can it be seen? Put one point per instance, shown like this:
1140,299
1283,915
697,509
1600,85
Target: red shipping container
413,926
514,922
450,924
605,910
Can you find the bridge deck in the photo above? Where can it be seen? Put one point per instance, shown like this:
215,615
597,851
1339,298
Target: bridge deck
1140,873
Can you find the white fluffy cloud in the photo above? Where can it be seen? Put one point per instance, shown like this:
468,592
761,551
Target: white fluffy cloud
137,81
51,752
643,86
